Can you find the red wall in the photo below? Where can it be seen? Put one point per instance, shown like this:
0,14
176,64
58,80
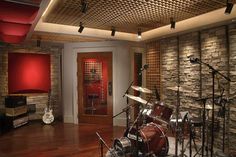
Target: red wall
28,73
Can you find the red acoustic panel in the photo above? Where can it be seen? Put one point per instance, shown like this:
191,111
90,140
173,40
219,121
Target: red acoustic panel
17,13
28,73
17,29
13,39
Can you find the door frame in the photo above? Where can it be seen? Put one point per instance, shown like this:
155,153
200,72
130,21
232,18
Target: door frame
97,119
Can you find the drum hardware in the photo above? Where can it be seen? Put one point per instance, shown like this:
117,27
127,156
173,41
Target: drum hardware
213,72
137,126
103,143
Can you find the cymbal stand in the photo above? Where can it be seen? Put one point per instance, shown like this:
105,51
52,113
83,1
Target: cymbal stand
102,142
213,72
127,111
137,126
176,124
203,100
224,101
185,119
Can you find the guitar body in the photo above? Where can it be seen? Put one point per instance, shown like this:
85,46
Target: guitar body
48,117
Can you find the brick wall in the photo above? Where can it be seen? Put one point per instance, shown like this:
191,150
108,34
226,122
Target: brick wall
213,47
40,100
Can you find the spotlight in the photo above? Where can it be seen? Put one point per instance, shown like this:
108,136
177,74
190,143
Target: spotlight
229,7
113,31
81,27
172,23
84,6
139,34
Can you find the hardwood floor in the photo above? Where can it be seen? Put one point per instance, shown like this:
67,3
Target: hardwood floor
57,140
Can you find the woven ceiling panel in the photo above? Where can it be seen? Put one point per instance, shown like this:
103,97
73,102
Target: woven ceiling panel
128,15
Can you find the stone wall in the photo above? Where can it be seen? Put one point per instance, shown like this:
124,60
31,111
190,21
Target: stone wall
39,99
214,46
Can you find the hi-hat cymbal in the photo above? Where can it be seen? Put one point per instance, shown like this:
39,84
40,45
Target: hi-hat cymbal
138,99
141,89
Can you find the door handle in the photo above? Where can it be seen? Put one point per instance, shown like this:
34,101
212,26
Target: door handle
110,88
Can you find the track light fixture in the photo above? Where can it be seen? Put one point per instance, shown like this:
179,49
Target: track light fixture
139,34
113,31
81,27
172,23
229,7
84,6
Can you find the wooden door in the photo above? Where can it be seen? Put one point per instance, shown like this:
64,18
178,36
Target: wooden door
95,87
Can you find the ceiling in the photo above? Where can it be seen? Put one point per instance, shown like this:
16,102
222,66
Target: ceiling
59,20
128,15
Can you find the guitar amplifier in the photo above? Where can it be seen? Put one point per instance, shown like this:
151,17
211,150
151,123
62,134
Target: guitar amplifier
15,101
14,122
16,111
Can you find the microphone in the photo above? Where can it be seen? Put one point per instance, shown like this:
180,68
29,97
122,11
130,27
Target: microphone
193,60
145,67
157,94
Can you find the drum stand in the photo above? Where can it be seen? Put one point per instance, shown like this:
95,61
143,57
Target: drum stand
103,143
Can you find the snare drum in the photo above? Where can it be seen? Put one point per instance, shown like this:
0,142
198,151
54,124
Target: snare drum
122,146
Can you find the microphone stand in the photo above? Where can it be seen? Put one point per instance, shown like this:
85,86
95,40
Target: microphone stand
127,109
214,72
102,142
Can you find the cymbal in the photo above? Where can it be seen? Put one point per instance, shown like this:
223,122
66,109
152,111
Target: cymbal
141,89
208,107
181,89
138,99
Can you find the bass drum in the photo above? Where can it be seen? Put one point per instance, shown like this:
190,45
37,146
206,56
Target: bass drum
151,139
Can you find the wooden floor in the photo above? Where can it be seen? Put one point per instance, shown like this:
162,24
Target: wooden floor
58,140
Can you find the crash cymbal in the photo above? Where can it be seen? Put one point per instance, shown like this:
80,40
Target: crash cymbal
141,89
138,99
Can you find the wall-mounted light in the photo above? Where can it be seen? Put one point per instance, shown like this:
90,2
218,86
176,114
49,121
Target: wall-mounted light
229,7
113,31
81,27
172,23
84,6
139,34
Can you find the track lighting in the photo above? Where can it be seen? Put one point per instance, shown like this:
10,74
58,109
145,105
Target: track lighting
139,34
81,27
113,31
229,7
84,6
172,23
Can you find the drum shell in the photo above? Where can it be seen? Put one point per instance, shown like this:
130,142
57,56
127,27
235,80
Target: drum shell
159,114
151,139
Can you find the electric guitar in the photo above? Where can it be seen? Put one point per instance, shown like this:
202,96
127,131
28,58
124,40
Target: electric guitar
48,117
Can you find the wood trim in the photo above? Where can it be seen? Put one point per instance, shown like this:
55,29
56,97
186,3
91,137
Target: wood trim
98,119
